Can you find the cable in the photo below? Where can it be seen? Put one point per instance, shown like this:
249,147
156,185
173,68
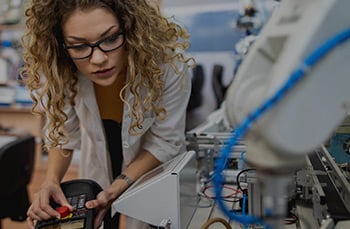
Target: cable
234,192
244,203
238,178
291,219
211,221
245,125
242,156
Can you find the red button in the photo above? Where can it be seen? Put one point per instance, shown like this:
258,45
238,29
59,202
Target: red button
63,210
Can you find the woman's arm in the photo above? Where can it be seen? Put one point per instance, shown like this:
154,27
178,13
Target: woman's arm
58,163
143,163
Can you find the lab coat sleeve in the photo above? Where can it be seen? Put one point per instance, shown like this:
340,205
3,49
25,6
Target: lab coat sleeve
166,137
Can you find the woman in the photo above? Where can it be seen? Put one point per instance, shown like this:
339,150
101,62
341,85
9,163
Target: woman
111,80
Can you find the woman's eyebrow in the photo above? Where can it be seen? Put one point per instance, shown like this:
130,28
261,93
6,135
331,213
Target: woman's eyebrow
84,39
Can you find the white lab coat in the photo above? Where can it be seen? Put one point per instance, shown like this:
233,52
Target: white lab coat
163,138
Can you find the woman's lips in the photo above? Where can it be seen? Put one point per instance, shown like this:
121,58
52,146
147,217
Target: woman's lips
104,73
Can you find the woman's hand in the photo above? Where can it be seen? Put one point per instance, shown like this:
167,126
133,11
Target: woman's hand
102,203
40,208
144,162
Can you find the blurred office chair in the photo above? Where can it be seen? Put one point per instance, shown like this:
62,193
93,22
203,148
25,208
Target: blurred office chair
218,86
16,168
196,96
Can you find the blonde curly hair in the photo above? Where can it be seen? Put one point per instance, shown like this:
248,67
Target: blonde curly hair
151,40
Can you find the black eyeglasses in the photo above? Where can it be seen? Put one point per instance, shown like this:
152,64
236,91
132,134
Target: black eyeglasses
108,44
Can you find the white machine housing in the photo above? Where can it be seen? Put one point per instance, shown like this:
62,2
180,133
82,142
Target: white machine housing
166,196
311,111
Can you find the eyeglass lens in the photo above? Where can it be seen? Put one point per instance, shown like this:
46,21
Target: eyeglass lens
107,44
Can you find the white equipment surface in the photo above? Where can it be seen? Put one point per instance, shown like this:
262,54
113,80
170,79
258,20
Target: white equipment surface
165,194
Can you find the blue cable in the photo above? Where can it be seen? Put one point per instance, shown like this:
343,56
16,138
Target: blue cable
245,226
244,202
245,125
242,156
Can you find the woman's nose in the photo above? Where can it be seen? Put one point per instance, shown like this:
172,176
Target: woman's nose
98,56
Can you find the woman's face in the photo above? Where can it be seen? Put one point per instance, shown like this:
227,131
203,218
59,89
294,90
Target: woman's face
95,26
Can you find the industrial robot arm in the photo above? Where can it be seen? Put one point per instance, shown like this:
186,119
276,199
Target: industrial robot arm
303,115
311,111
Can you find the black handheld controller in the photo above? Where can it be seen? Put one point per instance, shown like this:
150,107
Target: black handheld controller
77,193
